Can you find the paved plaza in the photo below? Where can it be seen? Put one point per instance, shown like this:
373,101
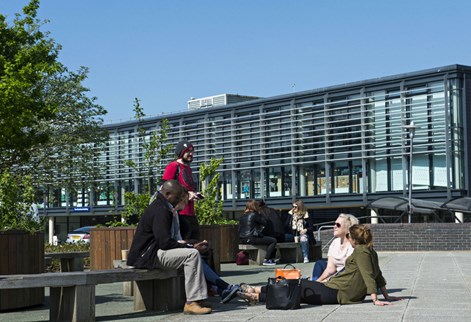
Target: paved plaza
436,287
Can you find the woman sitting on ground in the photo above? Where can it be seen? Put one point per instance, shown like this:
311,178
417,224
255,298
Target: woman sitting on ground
362,276
339,250
251,224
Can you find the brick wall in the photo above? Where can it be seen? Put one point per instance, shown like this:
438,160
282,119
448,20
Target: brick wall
417,237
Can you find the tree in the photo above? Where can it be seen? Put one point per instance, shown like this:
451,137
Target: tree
16,198
71,158
28,58
51,130
154,149
154,146
210,209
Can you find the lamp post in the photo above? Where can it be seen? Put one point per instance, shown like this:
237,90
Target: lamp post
411,127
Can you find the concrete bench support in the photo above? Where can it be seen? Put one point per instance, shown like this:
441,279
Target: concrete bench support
256,253
73,303
159,295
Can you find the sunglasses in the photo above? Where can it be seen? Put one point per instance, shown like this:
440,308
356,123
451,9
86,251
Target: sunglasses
338,225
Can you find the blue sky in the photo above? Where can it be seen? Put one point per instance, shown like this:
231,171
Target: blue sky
164,52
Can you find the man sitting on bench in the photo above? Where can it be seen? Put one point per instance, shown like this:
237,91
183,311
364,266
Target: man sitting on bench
153,246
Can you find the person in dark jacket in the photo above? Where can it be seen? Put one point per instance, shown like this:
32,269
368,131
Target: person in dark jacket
275,227
302,228
154,247
251,225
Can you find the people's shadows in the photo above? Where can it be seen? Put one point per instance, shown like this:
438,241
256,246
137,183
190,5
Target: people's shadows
99,299
391,291
134,315
234,305
240,273
395,290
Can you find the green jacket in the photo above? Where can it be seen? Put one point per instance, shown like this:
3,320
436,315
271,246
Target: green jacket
362,276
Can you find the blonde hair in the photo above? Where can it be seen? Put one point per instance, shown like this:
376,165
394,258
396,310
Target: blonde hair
349,220
361,235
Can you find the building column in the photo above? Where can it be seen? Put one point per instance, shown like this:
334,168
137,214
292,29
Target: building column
51,229
374,216
459,217
302,182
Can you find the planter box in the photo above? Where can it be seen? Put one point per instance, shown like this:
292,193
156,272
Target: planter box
224,240
106,245
229,242
21,253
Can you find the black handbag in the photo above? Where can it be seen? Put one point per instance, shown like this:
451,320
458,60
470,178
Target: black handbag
283,294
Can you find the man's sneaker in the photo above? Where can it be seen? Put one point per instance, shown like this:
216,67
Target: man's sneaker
268,262
306,260
196,309
229,293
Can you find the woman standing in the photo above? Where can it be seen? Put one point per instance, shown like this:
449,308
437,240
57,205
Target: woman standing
339,250
301,226
251,224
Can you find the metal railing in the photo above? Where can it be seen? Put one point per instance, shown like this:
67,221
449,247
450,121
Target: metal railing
329,225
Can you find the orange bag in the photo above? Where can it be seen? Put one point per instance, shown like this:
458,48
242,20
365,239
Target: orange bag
288,273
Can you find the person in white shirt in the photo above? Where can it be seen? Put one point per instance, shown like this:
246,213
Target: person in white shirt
339,250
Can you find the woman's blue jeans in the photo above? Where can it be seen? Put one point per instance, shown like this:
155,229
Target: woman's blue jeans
319,268
305,248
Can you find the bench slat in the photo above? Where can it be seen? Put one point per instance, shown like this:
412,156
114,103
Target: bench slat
65,279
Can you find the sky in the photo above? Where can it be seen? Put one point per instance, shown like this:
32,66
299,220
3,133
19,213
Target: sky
165,52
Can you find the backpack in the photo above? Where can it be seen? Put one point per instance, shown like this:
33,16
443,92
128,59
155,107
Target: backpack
242,258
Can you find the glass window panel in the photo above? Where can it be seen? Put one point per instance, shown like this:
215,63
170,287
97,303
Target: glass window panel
321,180
274,182
397,180
341,178
379,174
439,170
420,172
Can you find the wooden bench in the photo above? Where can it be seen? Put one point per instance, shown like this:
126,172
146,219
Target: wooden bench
70,261
72,294
287,252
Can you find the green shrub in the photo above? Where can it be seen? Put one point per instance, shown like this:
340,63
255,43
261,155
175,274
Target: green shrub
16,198
55,265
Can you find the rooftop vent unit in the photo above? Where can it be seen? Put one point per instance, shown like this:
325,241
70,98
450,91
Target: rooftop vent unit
218,100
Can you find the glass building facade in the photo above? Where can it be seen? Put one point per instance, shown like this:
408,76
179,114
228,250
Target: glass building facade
336,148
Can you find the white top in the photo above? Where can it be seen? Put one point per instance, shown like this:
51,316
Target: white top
339,256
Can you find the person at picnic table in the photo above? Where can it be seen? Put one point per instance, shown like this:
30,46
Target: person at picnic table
226,291
362,276
339,250
251,225
154,247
